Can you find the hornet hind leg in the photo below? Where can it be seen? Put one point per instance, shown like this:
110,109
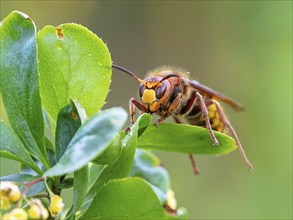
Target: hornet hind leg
191,157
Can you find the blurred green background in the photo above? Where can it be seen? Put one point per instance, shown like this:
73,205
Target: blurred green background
241,48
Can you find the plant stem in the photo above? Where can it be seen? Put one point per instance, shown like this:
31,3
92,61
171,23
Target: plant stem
30,184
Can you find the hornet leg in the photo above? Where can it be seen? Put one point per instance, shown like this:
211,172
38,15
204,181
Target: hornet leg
206,115
227,124
191,157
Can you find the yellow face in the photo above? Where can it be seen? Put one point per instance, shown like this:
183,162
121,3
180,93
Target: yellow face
151,93
149,100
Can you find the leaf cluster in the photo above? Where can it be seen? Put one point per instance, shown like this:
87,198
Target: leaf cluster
53,84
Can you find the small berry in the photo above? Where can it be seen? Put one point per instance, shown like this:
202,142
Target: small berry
18,214
56,205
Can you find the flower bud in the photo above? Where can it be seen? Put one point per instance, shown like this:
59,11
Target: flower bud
18,214
56,205
5,203
171,201
14,194
6,216
37,210
10,190
34,212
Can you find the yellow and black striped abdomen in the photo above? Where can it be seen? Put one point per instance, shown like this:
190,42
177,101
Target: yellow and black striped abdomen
195,117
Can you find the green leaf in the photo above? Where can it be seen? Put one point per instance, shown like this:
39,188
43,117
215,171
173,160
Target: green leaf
111,153
92,138
50,127
68,123
73,64
52,158
19,82
80,187
27,170
12,148
67,183
147,166
80,110
122,166
129,198
94,172
21,178
49,145
184,138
